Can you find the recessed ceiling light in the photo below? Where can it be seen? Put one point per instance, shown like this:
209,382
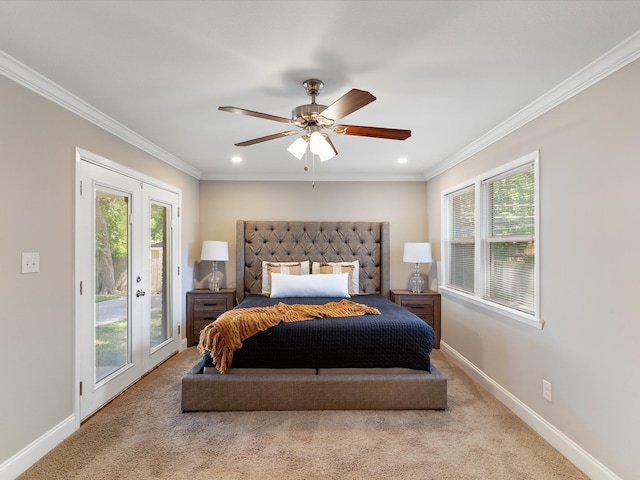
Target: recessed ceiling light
403,160
236,159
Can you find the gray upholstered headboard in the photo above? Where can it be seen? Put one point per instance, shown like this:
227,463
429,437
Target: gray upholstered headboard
282,241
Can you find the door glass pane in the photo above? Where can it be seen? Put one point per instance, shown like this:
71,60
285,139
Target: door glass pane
112,341
159,251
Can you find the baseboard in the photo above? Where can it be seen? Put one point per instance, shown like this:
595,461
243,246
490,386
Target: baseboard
576,454
33,452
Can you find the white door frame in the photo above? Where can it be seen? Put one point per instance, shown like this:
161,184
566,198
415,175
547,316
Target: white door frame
175,300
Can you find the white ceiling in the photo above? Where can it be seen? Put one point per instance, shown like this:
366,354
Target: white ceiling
451,71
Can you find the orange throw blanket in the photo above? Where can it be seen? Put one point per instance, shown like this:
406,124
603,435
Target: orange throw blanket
225,335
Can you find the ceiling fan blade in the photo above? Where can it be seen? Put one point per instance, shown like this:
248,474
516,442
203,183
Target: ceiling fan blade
268,137
251,113
376,132
348,103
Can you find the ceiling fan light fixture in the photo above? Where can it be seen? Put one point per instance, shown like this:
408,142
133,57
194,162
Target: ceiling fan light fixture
320,145
298,148
312,118
328,150
316,142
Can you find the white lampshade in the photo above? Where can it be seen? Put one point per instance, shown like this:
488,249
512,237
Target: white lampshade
417,253
298,148
215,251
320,145
316,143
328,150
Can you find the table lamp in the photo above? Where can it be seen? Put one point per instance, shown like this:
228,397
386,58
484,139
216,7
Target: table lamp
215,251
417,253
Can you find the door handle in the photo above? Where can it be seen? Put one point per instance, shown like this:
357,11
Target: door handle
140,293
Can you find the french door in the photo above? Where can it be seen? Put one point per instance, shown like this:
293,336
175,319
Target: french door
127,301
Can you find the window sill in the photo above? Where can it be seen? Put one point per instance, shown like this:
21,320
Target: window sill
506,312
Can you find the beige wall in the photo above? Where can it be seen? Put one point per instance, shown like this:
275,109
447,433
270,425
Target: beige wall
37,189
588,349
402,204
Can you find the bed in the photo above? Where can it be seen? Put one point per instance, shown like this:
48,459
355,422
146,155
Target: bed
315,364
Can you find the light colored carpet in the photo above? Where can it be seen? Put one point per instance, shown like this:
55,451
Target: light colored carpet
143,435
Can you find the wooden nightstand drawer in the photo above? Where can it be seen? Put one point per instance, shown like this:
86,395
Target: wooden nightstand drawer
207,316
430,319
419,307
425,305
204,307
210,304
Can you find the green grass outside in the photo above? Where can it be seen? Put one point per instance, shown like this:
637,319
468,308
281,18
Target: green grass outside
111,341
102,298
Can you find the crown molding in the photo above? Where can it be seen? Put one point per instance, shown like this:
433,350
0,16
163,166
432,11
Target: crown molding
32,80
309,177
619,56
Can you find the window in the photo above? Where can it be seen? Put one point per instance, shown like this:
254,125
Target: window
462,240
490,239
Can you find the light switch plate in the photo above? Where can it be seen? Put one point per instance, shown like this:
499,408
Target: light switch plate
546,389
30,262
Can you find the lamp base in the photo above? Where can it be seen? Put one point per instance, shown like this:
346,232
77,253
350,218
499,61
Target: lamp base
216,278
416,280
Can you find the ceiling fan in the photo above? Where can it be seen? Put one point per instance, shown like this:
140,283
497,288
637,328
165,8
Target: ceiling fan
314,119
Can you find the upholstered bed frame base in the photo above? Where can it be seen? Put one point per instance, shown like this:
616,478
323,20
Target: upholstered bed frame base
236,392
316,241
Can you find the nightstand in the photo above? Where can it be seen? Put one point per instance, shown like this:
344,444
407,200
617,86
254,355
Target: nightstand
425,305
203,307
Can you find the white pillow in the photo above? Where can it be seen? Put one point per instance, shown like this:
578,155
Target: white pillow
304,270
355,287
328,285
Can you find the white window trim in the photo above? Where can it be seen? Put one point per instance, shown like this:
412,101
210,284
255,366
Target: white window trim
534,320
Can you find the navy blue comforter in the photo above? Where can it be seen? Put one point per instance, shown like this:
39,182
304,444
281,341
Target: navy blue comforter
396,338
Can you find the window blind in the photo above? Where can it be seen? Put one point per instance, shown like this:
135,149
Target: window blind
509,238
461,239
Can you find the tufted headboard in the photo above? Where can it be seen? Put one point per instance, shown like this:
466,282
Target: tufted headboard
282,241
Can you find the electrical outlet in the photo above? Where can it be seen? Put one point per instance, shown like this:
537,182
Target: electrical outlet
546,389
30,262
